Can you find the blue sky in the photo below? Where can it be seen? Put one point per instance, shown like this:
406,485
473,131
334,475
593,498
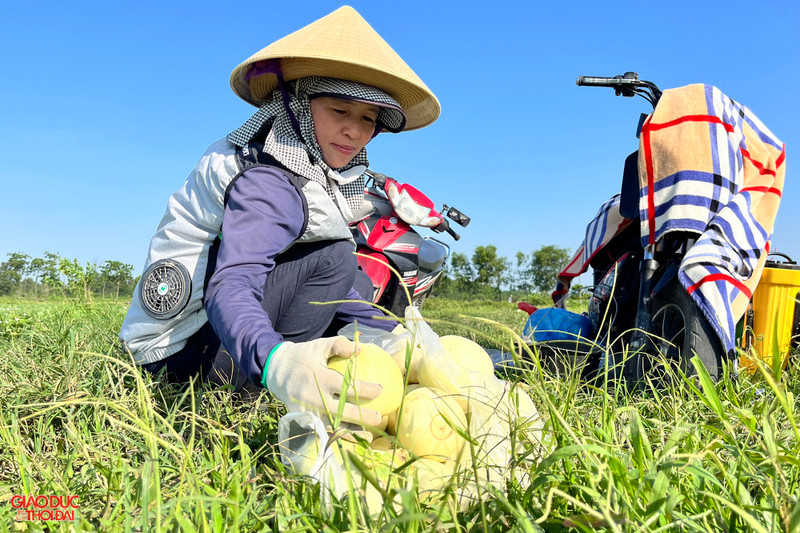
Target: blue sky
106,106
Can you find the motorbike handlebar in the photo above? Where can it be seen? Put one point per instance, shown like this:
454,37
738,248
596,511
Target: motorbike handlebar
444,225
627,84
457,216
595,81
452,233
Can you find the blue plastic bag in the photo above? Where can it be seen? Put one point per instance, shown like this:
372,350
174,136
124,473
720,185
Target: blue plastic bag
558,327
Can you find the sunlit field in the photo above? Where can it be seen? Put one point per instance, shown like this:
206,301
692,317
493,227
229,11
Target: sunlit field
77,418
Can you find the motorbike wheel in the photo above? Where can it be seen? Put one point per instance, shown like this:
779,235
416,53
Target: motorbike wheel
680,330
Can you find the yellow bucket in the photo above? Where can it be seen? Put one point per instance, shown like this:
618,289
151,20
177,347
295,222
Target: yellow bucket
774,323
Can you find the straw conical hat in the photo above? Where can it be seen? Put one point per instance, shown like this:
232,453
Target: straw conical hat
340,45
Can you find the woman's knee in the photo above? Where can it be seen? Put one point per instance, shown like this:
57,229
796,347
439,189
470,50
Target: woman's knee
337,258
342,253
329,263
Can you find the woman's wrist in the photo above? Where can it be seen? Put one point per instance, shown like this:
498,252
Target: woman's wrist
266,365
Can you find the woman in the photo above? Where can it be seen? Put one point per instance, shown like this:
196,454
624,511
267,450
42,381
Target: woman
259,231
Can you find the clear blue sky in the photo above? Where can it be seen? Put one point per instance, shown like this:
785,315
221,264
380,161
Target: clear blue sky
106,106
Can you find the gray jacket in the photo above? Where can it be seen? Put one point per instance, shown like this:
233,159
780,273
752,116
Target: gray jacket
167,305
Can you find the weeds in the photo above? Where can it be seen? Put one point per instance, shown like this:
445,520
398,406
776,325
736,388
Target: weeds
77,417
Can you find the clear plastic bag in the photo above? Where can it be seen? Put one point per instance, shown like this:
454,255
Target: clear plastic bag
496,408
494,404
308,449
436,368
386,340
304,447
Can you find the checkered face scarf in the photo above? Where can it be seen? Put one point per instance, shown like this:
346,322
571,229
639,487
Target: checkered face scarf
291,139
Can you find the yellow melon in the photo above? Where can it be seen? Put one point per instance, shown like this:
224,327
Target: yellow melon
468,354
383,443
374,365
411,373
427,423
391,423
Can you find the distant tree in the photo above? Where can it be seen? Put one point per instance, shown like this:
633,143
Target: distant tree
12,272
35,269
90,274
115,275
7,282
26,277
79,279
50,272
463,273
491,269
545,265
521,281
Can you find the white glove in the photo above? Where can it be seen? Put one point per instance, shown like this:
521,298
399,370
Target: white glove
299,376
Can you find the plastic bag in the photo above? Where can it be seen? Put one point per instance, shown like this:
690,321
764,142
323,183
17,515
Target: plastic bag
497,408
303,443
436,368
493,404
386,340
559,328
306,447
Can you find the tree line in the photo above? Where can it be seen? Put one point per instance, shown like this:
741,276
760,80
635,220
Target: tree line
489,275
24,276
484,275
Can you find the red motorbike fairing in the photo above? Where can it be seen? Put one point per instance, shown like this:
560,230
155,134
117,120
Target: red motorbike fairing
385,232
402,265
376,266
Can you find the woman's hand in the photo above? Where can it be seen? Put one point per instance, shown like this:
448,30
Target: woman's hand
298,375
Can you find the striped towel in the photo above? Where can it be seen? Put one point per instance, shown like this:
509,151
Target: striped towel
603,227
708,165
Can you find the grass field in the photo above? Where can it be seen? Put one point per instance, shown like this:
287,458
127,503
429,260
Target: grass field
77,418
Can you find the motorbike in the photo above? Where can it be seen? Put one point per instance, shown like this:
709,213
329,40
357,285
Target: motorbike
403,265
637,304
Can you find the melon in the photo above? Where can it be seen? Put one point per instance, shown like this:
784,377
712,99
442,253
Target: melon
427,422
468,354
380,429
389,444
391,425
462,369
374,365
384,443
410,373
522,406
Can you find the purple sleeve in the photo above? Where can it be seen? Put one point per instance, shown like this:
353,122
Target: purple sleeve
263,216
364,313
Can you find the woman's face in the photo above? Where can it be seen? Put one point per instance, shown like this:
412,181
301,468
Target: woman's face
342,128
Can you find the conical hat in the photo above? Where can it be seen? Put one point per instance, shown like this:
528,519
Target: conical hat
340,45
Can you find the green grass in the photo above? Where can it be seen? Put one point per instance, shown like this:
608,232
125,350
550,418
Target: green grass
76,417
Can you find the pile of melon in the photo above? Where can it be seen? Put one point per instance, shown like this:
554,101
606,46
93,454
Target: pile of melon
444,411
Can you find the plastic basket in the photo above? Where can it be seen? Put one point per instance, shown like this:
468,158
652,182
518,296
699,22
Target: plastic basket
773,324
